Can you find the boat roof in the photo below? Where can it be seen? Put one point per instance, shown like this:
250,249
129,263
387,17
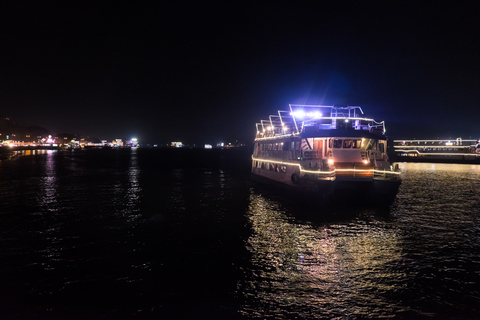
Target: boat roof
318,120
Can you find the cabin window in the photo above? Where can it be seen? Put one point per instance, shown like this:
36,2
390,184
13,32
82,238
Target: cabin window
292,146
357,144
382,147
283,169
337,143
347,143
285,146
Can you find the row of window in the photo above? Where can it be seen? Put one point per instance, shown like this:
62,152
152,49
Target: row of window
337,144
346,143
332,143
440,149
353,144
287,146
270,166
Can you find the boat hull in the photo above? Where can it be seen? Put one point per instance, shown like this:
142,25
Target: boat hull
375,192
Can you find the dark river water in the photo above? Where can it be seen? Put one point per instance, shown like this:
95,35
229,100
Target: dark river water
185,234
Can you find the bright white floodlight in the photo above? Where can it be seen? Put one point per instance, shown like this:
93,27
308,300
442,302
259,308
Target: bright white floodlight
300,114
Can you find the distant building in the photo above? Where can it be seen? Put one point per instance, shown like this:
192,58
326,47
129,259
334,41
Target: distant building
117,143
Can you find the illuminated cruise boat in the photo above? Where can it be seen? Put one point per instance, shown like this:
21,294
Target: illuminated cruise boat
457,151
325,151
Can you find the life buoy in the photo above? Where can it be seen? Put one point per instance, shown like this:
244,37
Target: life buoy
295,178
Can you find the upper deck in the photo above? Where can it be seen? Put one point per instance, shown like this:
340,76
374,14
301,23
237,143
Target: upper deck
317,120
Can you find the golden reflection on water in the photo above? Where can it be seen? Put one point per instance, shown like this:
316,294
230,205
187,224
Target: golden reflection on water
443,187
48,196
133,188
127,190
49,204
318,271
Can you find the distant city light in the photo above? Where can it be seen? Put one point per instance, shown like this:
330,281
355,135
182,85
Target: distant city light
117,143
50,140
208,146
133,143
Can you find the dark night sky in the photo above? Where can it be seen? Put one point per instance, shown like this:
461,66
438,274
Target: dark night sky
202,72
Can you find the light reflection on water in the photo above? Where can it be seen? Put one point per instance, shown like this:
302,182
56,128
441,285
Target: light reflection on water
420,260
48,200
318,271
131,196
48,192
118,231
